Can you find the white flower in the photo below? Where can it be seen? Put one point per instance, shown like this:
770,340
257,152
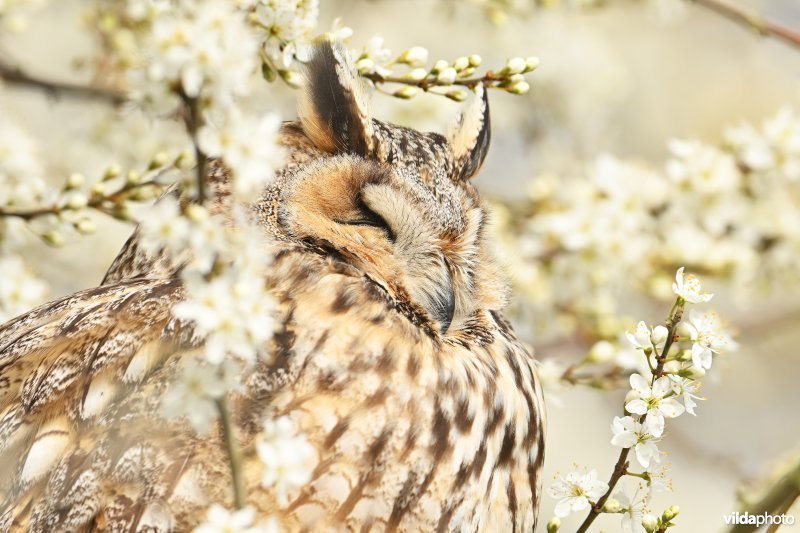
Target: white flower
576,491
632,510
628,433
689,288
550,371
21,183
194,394
645,339
702,168
652,401
222,520
685,387
231,311
163,226
783,134
414,57
208,47
248,146
707,337
287,456
287,21
375,50
20,289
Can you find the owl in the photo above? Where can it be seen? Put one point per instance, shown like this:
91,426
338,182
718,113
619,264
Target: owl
391,353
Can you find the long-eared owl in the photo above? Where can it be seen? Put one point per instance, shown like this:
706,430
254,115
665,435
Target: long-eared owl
391,353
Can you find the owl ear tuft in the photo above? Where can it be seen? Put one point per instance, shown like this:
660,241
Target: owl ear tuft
333,109
470,136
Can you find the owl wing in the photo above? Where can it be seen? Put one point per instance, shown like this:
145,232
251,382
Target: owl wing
78,439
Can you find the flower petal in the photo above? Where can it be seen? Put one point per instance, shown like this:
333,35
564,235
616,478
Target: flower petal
638,407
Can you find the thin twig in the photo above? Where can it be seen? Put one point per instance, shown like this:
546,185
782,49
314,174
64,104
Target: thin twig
430,82
16,76
96,201
193,120
752,21
234,454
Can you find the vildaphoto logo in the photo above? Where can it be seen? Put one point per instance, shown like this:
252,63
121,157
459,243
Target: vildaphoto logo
759,519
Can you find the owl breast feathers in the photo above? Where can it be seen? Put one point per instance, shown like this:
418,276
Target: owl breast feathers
391,354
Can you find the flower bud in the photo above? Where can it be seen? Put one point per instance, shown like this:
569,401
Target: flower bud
466,73
672,367
519,88
612,505
76,201
196,213
53,238
553,525
75,180
670,513
659,335
461,63
406,92
515,65
650,523
365,65
416,56
99,189
112,172
267,73
416,74
446,76
696,372
85,226
457,95
601,352
292,78
121,212
531,64
475,60
159,160
185,160
439,66
133,177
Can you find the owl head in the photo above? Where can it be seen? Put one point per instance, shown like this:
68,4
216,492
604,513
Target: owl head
393,202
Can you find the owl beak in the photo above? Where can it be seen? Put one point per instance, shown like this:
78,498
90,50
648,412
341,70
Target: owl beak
446,309
442,303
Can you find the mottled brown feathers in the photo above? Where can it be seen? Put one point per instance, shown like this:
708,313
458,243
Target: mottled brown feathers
390,353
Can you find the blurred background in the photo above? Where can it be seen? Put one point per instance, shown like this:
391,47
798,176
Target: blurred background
618,80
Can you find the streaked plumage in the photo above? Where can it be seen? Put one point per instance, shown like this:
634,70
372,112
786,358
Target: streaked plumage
391,354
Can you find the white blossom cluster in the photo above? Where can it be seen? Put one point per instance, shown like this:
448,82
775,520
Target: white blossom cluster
673,359
202,49
21,186
287,457
729,211
287,28
201,55
206,49
227,300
